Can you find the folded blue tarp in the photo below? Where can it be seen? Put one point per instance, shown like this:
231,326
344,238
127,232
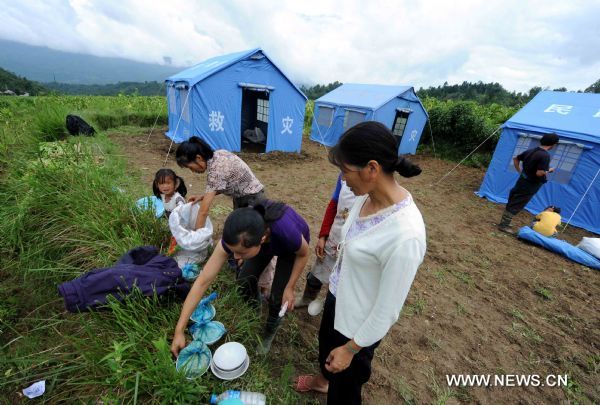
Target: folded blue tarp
559,246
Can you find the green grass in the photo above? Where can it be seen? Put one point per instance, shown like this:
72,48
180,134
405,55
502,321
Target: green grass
522,330
415,308
63,214
517,314
544,292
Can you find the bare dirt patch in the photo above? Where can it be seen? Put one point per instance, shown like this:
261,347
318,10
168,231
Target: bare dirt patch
483,302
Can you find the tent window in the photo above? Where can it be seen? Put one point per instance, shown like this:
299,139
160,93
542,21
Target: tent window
185,104
325,116
523,144
564,159
351,118
262,110
172,101
400,123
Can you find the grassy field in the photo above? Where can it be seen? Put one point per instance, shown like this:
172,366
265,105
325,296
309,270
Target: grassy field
67,209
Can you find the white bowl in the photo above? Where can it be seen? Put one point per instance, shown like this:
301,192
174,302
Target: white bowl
230,356
230,375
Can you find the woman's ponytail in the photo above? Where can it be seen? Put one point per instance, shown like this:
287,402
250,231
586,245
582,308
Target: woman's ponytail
406,168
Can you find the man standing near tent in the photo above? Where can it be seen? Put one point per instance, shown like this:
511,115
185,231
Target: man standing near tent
536,164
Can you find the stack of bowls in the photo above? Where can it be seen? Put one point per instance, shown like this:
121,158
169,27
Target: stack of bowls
230,361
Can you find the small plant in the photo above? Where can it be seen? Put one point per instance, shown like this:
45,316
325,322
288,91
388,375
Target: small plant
544,293
517,314
464,277
573,390
593,364
526,332
440,276
415,308
406,392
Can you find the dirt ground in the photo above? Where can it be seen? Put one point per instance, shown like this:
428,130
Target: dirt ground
482,303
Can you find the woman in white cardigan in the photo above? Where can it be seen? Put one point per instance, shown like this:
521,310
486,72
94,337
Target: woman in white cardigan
383,244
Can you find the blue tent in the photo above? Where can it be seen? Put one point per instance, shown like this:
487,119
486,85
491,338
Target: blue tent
223,97
397,107
575,118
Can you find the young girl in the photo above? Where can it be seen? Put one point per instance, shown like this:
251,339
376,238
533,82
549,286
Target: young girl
255,235
170,188
326,249
382,246
547,221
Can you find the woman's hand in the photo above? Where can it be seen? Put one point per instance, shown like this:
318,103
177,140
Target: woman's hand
195,198
338,360
178,343
320,248
289,297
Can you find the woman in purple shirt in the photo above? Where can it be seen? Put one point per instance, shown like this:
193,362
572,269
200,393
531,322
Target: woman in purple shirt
254,235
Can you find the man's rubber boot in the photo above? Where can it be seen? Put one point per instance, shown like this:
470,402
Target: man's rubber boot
504,224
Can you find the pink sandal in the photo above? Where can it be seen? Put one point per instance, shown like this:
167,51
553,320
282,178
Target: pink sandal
303,384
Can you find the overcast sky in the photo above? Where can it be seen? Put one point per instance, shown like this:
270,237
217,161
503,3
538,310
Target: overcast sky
518,43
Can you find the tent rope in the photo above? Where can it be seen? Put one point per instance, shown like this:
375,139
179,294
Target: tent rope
156,120
318,128
580,201
177,126
432,141
466,157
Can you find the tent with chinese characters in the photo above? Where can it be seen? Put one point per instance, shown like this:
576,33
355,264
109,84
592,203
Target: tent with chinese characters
235,97
397,107
575,185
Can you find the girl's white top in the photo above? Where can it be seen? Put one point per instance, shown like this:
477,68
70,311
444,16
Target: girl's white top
175,201
376,269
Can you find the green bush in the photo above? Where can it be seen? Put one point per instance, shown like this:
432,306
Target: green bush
461,126
308,116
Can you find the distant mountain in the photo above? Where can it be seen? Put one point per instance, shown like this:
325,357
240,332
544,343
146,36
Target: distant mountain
47,65
19,85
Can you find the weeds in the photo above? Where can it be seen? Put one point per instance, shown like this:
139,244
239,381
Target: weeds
526,332
464,277
415,308
406,392
517,314
544,293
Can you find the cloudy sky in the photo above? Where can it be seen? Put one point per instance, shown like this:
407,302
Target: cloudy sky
518,43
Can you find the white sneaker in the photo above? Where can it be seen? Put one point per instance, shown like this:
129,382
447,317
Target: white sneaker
315,307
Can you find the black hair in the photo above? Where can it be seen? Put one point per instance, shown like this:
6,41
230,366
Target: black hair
371,140
549,140
554,208
164,174
190,149
249,224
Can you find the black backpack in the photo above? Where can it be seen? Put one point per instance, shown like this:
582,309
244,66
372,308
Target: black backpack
76,125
